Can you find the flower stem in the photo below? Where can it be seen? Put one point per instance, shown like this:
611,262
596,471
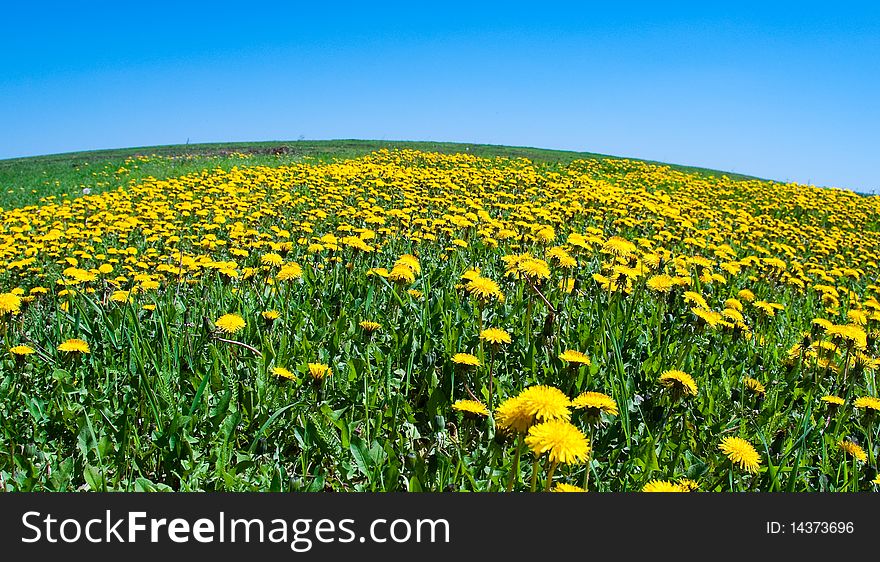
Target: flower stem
550,476
514,471
534,483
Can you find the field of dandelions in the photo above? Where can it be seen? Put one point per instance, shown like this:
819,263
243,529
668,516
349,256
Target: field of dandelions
419,321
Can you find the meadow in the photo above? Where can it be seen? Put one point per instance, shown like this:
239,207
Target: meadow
422,318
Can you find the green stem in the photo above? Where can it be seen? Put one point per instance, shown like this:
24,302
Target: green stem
514,472
550,476
534,482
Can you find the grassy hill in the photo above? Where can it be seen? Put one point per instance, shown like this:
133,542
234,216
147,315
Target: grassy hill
24,181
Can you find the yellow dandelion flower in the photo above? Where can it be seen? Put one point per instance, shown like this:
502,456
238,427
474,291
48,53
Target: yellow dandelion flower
466,359
74,346
21,350
853,450
575,357
746,295
512,415
402,273
409,261
562,487
868,403
120,296
741,452
595,402
663,486
471,407
697,299
679,381
533,268
661,283
564,442
822,325
688,485
618,246
283,373
546,403
9,303
271,259
832,400
495,336
754,386
319,371
369,326
289,271
230,323
483,288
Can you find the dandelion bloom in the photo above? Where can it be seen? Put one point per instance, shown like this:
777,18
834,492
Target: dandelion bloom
858,317
661,283
821,324
741,452
466,359
483,288
832,400
402,274
546,403
512,415
471,407
495,336
120,296
9,303
21,350
746,295
575,357
688,485
733,315
409,261
270,315
564,442
289,271
74,346
230,323
546,234
534,268
663,486
596,401
471,274
271,259
696,298
319,370
868,402
562,487
853,450
708,317
283,373
754,386
679,381
357,243
618,246
733,304
369,326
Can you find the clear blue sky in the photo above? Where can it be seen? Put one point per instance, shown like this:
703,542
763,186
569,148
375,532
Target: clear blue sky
789,92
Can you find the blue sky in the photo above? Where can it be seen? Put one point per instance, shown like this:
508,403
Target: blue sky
787,92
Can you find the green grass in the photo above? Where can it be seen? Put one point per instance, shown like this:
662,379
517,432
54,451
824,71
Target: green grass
24,181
